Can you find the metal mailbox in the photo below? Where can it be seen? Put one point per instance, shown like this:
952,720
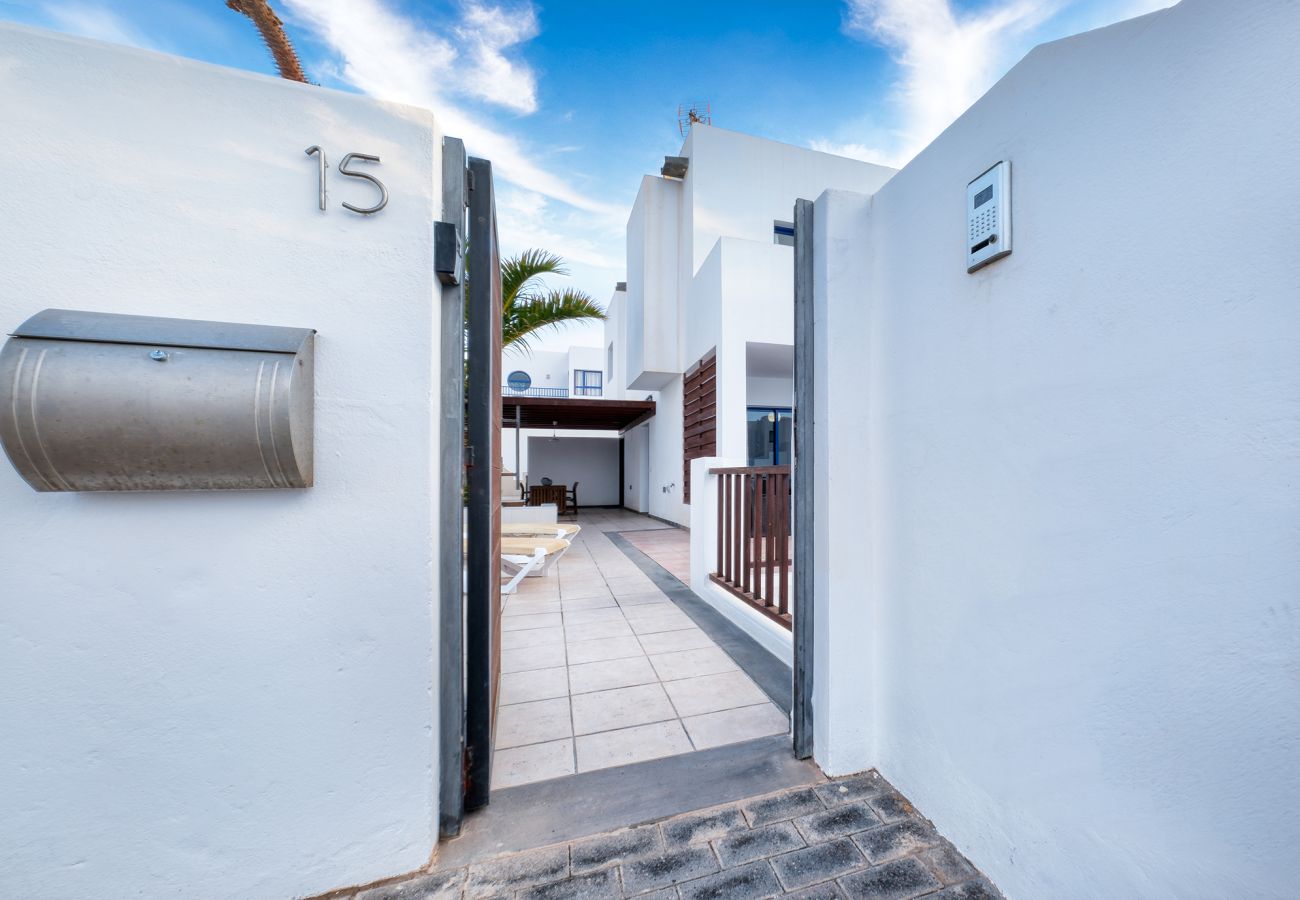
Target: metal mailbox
101,402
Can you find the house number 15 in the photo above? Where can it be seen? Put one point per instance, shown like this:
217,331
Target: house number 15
322,165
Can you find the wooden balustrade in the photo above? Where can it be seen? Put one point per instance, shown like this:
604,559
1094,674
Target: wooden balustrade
754,559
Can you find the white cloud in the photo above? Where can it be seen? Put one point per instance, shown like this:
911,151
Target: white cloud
389,56
485,33
947,60
98,22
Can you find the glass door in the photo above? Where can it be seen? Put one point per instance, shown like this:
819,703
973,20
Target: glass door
769,433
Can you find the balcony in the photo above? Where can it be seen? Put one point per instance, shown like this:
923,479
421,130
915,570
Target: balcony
553,393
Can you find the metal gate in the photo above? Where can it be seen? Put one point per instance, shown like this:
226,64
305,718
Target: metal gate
470,467
483,548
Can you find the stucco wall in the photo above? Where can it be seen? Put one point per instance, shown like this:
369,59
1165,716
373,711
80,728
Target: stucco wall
1076,557
229,694
590,461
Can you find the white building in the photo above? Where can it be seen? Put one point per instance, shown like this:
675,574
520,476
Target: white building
707,307
588,457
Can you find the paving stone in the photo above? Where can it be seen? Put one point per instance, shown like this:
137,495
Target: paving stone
705,826
831,823
855,788
948,864
769,840
827,890
443,885
782,806
668,868
892,807
895,841
592,886
819,863
744,883
979,889
504,874
897,880
612,849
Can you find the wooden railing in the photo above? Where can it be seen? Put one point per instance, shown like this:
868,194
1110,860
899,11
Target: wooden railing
754,560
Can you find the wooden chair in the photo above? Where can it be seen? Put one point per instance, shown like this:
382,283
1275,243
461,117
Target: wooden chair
558,494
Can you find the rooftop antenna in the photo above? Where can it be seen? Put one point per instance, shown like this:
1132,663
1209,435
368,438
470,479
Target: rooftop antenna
699,112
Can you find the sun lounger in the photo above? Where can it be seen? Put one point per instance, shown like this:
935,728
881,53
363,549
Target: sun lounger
518,551
519,567
539,529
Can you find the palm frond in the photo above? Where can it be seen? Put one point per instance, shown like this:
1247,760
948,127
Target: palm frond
518,272
547,310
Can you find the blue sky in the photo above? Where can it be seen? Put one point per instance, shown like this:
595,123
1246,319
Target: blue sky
573,102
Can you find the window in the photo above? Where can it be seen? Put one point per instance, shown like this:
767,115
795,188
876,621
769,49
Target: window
783,233
588,382
769,432
609,361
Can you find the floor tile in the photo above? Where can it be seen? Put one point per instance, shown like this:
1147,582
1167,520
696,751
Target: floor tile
536,762
532,637
610,673
669,621
711,693
532,723
673,641
585,591
593,630
539,684
589,603
630,745
734,725
644,599
604,648
587,616
689,663
530,608
620,708
519,623
523,659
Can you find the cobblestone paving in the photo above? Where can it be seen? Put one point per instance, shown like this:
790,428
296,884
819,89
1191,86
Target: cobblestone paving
849,838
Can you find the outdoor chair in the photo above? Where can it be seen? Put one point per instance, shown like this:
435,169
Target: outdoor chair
573,497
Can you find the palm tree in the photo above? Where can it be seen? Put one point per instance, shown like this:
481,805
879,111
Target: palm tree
528,306
272,31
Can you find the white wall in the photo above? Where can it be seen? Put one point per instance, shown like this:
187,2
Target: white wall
590,461
547,368
652,285
616,334
636,468
769,391
223,694
520,466
737,185
1077,572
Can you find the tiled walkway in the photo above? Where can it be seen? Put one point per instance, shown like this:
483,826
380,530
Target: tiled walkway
670,547
600,668
852,838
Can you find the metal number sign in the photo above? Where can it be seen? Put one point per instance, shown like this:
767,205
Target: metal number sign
322,165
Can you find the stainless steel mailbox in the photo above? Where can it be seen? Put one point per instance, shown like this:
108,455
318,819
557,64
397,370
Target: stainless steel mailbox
101,402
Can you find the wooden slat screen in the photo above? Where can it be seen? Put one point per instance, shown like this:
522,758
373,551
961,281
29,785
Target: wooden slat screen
699,417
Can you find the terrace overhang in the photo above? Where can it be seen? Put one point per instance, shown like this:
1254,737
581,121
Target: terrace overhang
575,413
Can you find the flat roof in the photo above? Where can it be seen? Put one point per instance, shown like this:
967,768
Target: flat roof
575,413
